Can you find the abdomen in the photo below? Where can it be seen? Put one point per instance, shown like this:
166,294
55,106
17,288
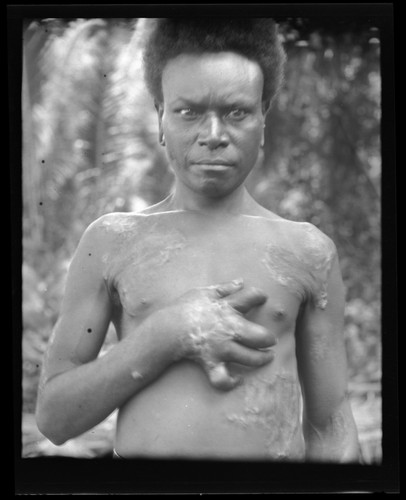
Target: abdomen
182,415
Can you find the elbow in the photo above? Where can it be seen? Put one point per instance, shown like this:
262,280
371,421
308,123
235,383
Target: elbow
50,425
334,439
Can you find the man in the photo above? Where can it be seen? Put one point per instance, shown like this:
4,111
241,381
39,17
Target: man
229,318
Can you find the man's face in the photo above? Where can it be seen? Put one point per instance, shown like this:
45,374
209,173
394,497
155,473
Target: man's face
212,118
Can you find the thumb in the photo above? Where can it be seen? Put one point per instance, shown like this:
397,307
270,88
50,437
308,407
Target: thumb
221,379
224,289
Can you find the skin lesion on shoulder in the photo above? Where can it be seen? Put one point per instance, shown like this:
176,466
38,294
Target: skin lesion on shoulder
300,257
135,246
103,238
319,252
317,243
119,222
113,229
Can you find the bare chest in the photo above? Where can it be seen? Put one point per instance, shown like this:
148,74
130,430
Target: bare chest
159,264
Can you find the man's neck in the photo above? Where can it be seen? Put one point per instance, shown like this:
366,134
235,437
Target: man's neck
237,202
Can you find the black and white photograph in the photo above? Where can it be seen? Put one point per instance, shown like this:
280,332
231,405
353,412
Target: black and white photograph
201,233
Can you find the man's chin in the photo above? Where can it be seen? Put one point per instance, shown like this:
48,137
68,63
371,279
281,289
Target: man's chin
215,190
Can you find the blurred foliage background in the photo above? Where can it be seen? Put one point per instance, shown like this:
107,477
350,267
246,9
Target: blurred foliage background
90,146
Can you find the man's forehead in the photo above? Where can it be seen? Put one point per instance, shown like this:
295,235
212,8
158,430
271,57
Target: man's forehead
226,74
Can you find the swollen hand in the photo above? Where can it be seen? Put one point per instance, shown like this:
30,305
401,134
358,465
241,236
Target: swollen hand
214,330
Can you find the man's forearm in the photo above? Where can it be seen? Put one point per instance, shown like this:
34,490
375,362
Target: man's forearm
75,401
336,441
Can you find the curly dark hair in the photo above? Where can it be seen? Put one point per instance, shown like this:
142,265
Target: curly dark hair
255,38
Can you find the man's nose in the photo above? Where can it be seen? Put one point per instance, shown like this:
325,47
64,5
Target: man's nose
213,135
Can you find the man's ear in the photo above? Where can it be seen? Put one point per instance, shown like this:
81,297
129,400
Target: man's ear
262,144
265,107
160,111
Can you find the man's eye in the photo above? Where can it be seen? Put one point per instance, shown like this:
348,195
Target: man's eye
188,113
237,114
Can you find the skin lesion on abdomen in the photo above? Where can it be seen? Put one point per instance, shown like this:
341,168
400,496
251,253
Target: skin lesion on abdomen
271,405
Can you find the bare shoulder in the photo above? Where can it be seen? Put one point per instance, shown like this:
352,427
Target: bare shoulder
116,225
302,247
310,237
104,233
115,222
300,237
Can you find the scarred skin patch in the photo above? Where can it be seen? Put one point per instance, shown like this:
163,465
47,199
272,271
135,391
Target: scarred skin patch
139,248
320,345
153,249
197,341
136,375
303,270
336,431
268,403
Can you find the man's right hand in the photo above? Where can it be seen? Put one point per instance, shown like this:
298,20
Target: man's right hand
211,329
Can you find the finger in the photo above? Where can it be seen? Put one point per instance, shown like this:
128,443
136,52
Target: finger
221,379
244,300
237,353
228,288
254,336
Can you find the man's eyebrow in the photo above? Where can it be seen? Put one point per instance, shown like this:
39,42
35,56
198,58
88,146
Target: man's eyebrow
231,103
183,101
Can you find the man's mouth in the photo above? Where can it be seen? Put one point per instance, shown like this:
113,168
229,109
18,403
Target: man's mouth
215,162
213,169
214,165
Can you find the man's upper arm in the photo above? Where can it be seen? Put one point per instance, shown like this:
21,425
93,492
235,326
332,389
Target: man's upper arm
86,308
321,353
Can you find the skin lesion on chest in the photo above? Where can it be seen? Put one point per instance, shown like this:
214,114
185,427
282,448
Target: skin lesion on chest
134,268
302,271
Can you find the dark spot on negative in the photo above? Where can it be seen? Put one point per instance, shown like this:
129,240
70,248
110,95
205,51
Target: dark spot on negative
89,330
40,203
90,254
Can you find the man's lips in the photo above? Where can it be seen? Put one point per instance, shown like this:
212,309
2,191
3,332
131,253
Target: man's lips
213,168
214,163
218,161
